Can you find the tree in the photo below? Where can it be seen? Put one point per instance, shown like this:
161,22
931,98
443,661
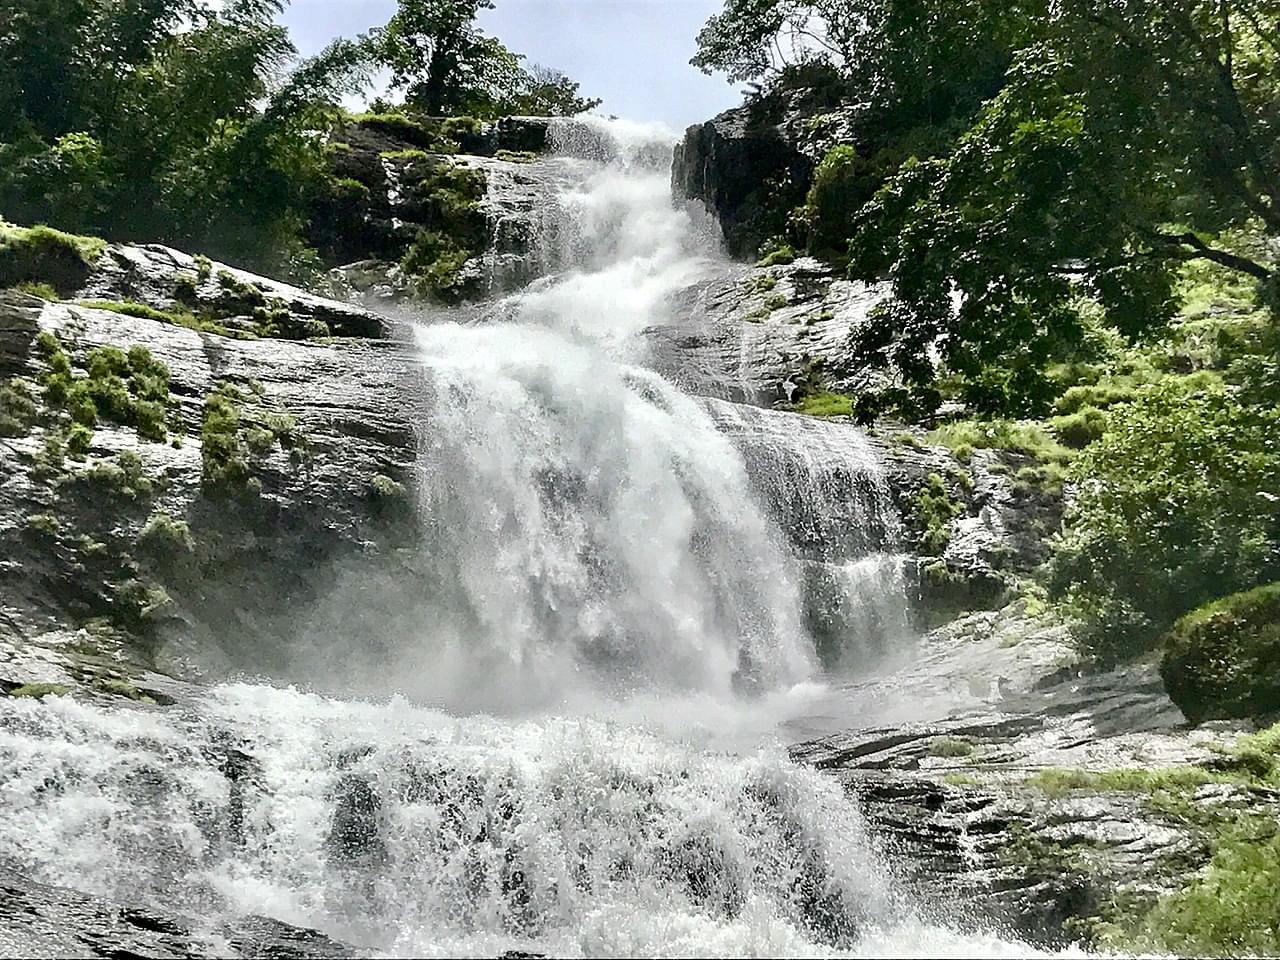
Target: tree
1021,156
438,56
446,66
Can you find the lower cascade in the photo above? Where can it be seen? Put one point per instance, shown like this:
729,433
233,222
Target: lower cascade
576,751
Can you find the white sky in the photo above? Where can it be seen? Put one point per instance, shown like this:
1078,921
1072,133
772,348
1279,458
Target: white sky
632,53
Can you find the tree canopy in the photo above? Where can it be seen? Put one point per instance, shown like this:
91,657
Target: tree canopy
195,123
1017,157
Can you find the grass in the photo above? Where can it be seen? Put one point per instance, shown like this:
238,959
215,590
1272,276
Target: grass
165,536
18,408
46,257
1020,436
825,403
950,747
42,290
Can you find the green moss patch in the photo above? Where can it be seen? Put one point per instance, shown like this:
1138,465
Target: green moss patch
236,428
930,512
824,403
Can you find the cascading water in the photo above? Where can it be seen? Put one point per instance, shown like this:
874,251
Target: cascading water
592,539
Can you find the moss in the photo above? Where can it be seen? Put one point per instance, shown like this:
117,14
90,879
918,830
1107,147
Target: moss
45,524
1223,659
396,125
38,691
18,409
775,302
775,253
139,602
131,389
762,283
405,156
125,478
42,290
43,255
234,429
950,747
517,156
121,688
204,267
384,488
222,459
824,403
930,513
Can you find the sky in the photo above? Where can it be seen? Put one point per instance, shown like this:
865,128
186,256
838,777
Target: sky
634,54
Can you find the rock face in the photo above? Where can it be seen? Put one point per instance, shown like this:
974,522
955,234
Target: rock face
37,920
738,165
110,560
970,793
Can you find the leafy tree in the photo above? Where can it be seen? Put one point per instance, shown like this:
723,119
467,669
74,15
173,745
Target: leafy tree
169,120
445,65
1177,505
1021,156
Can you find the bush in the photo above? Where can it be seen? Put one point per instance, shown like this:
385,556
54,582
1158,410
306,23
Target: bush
1078,430
1176,507
824,403
167,537
775,253
930,514
1223,660
18,410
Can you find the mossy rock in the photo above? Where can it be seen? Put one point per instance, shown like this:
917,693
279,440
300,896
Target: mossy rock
1222,661
42,255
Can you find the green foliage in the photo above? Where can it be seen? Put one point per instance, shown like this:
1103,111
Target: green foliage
1176,507
168,119
131,389
1018,436
446,66
930,513
1228,908
45,257
223,464
1223,659
776,253
79,440
166,537
42,290
125,478
1079,429
824,403
952,747
235,430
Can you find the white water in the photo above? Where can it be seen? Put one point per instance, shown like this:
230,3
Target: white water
610,582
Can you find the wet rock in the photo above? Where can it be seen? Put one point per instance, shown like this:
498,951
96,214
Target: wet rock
39,920
354,837
737,164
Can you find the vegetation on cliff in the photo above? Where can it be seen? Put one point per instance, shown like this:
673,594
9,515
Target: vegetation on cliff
195,124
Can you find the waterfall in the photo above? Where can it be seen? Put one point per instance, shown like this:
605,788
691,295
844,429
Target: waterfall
614,577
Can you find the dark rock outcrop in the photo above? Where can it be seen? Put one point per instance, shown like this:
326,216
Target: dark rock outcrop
38,920
747,173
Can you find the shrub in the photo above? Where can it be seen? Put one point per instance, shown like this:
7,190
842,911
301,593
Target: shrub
1078,430
167,537
18,410
1222,661
1176,507
79,440
221,454
931,511
42,290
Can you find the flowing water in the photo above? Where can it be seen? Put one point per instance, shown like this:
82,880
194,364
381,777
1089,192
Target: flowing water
588,759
